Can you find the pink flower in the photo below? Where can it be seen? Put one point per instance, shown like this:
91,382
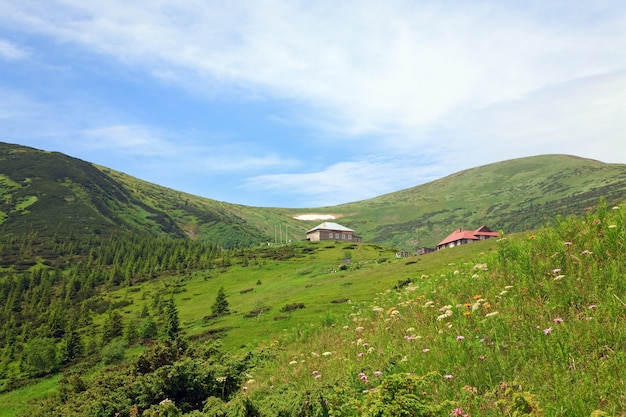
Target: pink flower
568,243
558,320
426,350
547,331
460,337
458,412
448,376
591,307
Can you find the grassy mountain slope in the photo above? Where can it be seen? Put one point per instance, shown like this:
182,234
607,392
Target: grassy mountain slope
52,193
512,196
526,325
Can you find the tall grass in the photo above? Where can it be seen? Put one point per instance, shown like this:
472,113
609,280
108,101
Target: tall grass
534,328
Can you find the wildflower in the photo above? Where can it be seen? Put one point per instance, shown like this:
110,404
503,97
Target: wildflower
591,306
586,252
410,330
360,354
460,337
448,376
481,357
504,292
612,226
556,270
327,353
377,373
458,412
315,354
293,362
476,297
467,313
568,243
359,329
558,320
532,237
426,350
378,309
445,308
508,287
547,331
493,313
318,376
558,277
410,338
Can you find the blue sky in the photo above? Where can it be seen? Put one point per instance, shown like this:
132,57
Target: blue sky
312,103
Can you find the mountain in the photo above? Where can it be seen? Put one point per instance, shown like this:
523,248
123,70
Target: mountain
510,196
55,194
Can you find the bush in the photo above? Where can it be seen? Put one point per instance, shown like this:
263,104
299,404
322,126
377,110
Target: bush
292,307
113,352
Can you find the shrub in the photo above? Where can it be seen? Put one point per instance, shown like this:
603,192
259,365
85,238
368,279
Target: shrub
292,307
113,352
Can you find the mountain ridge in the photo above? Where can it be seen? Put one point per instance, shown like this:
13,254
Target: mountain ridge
52,193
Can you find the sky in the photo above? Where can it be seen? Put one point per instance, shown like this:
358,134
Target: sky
300,103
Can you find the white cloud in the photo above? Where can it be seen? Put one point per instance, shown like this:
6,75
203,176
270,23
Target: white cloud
366,67
11,51
346,181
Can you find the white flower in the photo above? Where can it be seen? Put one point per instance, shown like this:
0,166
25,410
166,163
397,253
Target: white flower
491,314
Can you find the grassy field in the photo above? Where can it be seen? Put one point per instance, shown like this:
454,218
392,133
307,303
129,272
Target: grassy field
313,275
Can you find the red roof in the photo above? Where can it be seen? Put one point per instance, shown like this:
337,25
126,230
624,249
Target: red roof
460,234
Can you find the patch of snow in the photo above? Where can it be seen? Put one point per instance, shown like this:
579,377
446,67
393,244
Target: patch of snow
314,216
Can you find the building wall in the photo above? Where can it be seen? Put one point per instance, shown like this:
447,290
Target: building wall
318,235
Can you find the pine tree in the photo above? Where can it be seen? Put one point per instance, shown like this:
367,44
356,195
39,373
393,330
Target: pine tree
72,346
220,307
172,324
113,327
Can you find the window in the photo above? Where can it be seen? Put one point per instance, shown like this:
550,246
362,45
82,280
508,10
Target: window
343,236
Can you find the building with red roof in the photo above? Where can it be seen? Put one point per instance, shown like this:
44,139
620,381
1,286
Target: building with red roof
463,237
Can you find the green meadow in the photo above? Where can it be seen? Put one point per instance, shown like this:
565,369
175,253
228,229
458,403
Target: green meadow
525,325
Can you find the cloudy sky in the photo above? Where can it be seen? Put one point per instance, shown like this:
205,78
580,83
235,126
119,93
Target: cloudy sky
290,103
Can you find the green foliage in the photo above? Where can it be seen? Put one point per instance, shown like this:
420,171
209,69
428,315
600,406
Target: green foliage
113,327
113,352
148,329
220,306
71,345
172,323
402,395
40,356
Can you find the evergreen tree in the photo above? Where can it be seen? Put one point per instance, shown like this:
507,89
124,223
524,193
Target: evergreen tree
172,324
148,329
131,333
113,327
71,345
220,307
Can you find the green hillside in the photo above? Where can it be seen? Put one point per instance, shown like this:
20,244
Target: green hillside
51,193
525,325
511,196
122,297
